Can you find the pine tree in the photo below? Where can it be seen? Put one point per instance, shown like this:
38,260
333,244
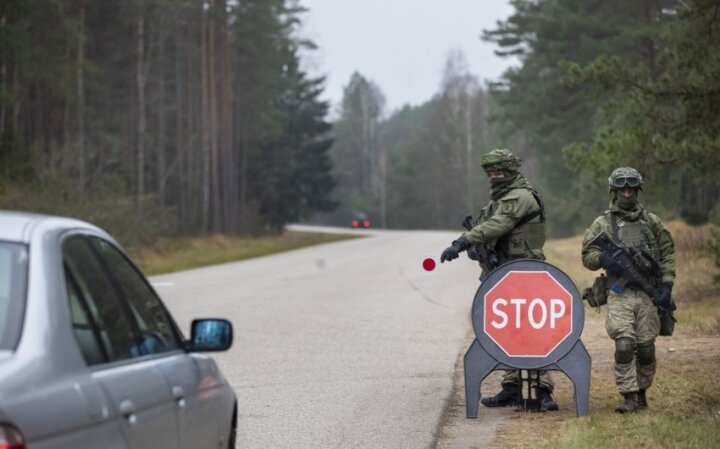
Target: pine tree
539,110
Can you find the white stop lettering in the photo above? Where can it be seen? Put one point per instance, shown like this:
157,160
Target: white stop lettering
557,310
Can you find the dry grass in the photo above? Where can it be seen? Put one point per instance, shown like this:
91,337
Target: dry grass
685,398
565,254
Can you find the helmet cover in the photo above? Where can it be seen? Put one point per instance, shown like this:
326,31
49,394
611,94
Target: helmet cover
500,159
625,177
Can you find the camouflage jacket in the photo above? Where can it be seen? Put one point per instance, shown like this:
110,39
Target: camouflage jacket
497,224
662,248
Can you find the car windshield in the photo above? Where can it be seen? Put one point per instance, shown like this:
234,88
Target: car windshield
13,283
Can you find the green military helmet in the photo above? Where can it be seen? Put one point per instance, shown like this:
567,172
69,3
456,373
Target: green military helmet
500,159
625,177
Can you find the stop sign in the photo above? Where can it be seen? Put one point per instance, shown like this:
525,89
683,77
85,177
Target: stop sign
528,313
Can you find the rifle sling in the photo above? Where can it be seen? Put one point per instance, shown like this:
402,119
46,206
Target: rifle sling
538,213
612,218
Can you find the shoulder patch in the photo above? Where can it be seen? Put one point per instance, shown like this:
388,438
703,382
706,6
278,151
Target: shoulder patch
507,205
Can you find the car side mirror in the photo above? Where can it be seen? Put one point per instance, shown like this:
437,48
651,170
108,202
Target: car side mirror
210,334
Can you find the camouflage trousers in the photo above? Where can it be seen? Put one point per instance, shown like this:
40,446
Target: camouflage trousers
513,377
631,314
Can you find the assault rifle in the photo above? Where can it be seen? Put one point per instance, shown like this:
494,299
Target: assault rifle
628,260
485,254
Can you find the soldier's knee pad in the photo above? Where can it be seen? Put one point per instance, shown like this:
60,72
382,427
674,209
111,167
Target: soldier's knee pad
624,350
646,353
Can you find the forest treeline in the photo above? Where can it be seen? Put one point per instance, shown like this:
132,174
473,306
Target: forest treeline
196,116
597,85
155,116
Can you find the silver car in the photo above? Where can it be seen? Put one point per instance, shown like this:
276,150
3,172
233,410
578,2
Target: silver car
89,355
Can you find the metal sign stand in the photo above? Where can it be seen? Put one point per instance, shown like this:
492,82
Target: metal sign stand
485,356
529,403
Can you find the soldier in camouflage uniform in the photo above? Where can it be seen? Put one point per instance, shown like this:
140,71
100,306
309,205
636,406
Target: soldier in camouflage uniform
632,318
514,225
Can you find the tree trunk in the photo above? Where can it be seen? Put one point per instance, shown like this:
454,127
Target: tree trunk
80,80
243,178
205,128
179,146
469,149
213,105
227,165
194,79
141,120
383,185
161,161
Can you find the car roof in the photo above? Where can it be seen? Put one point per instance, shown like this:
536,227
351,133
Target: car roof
16,226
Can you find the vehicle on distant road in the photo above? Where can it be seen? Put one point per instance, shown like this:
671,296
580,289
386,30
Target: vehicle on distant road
90,357
360,221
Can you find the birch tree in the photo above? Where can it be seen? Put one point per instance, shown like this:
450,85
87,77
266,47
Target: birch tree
361,163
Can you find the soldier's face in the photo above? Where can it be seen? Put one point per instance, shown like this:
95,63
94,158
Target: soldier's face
495,175
627,192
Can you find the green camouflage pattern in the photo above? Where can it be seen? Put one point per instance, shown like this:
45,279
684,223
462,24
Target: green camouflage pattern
631,314
663,243
500,216
624,172
500,159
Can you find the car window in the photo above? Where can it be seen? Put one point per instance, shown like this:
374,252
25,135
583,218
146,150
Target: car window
152,318
89,284
93,342
13,283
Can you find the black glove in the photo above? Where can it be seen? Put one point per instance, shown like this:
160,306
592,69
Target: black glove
472,253
664,295
457,246
612,267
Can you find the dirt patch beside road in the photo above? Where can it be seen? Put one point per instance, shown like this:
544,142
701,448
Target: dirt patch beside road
686,376
458,432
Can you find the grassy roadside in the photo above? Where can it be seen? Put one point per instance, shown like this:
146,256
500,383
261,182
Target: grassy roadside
176,254
685,398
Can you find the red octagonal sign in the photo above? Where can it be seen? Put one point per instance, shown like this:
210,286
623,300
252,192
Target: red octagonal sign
528,313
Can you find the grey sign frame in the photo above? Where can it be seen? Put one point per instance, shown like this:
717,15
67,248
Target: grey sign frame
569,356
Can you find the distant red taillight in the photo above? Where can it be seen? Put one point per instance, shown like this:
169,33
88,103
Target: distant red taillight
356,223
10,437
366,223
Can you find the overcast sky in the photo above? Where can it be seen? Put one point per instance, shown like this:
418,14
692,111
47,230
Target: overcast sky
401,45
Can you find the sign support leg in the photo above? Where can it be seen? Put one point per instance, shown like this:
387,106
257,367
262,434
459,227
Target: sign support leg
576,365
478,364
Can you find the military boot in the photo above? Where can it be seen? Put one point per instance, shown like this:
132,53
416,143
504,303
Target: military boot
642,400
510,395
630,405
546,401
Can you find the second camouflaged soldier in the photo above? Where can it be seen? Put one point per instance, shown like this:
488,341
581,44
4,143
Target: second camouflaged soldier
512,227
632,318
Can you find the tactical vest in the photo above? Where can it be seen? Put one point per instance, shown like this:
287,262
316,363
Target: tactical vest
527,238
634,234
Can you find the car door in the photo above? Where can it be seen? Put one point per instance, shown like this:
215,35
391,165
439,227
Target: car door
129,375
191,378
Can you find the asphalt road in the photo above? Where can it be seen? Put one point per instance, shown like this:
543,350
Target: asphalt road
350,344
